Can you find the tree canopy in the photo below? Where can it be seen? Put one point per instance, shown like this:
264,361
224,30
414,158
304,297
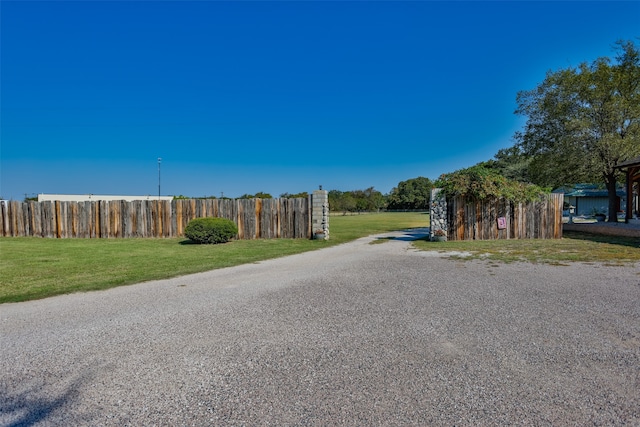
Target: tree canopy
512,163
583,121
259,195
411,194
304,194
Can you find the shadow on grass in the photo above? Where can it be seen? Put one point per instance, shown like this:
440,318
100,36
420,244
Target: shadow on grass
187,242
632,242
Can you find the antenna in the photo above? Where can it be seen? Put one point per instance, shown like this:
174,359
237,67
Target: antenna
159,161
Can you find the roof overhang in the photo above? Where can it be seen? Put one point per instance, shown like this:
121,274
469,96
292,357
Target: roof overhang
629,164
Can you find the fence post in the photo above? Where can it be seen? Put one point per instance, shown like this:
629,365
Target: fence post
5,217
320,214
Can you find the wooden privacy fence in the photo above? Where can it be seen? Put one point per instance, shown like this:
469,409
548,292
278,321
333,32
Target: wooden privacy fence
255,218
502,219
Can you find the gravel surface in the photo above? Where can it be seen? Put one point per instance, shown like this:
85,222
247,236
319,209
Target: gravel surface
356,334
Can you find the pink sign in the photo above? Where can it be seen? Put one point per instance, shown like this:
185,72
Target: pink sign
502,223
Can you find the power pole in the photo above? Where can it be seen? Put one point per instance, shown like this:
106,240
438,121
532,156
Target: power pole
159,161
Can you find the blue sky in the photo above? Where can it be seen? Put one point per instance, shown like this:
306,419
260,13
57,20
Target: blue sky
242,97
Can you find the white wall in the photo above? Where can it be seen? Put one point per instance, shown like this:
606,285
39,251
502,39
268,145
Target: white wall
95,197
586,205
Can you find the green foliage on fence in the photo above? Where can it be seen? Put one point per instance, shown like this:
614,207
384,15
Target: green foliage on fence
479,182
210,230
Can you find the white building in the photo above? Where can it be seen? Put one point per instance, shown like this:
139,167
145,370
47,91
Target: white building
96,197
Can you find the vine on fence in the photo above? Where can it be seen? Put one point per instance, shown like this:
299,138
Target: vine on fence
478,182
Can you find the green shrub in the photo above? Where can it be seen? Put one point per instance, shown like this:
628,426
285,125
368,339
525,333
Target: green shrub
210,230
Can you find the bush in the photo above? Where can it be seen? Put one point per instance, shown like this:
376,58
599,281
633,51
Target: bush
210,230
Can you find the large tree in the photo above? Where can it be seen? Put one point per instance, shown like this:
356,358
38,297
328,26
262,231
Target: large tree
512,163
582,121
411,194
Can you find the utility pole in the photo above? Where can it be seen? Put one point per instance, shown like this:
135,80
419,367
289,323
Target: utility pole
159,161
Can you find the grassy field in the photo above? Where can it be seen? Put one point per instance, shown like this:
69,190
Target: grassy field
32,268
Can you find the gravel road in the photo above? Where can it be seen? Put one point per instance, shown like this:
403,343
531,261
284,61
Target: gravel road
358,334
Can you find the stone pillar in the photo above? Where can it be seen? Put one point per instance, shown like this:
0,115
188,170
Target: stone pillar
438,215
320,214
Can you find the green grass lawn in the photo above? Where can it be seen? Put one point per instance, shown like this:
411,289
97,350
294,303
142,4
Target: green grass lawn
573,247
32,268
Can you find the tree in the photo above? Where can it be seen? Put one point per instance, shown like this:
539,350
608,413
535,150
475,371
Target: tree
335,197
341,201
411,194
376,200
512,163
368,200
259,195
304,194
263,195
583,121
356,200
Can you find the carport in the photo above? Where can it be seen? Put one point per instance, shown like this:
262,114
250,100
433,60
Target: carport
632,171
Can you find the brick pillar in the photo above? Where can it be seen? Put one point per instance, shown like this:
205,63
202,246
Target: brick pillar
320,214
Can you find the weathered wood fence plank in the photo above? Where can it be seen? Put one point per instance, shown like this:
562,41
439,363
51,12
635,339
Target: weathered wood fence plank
4,218
256,218
478,220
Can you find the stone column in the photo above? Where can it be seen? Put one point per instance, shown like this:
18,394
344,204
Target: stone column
320,214
438,215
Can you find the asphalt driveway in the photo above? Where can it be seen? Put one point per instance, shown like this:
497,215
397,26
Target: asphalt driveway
358,334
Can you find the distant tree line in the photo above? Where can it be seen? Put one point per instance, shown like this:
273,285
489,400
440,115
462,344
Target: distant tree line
413,194
369,200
